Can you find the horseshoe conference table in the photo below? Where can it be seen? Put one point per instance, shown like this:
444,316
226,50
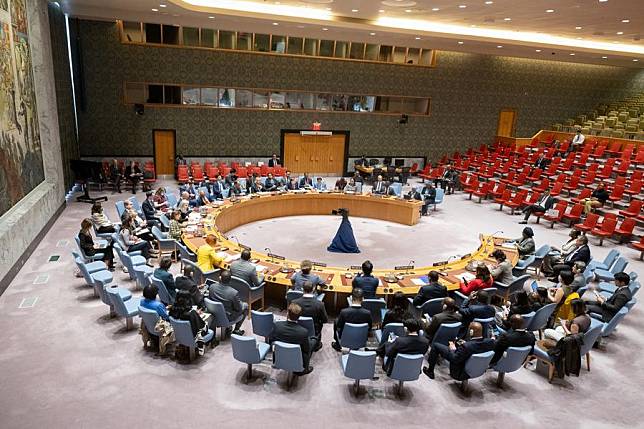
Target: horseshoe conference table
278,269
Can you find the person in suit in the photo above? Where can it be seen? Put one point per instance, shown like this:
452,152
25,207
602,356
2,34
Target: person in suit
270,184
186,282
133,174
274,161
378,186
557,256
306,181
502,271
457,353
231,177
351,186
236,189
149,212
581,253
577,141
609,307
304,275
115,174
256,186
412,344
229,297
399,311
544,204
189,188
431,291
357,177
428,195
476,307
390,190
218,187
245,270
340,184
517,336
207,256
320,185
91,249
163,273
525,244
449,314
541,162
314,309
353,314
365,281
597,199
289,331
292,184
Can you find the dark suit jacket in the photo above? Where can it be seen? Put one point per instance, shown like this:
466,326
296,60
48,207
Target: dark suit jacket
429,195
548,203
613,304
311,307
272,163
476,311
581,254
292,333
167,280
438,320
463,353
148,210
229,298
270,184
368,284
304,181
542,163
186,283
430,291
519,338
353,314
409,344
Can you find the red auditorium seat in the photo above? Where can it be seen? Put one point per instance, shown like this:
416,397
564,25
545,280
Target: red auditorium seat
606,230
519,181
483,190
542,186
614,148
557,189
413,170
503,199
585,193
625,230
572,184
561,208
639,246
616,195
589,223
634,209
589,179
535,175
583,159
567,164
605,171
634,189
498,190
518,199
623,167
574,214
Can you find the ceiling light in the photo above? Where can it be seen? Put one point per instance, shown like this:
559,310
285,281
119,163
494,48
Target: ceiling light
325,29
462,6
604,58
636,60
381,11
603,1
435,9
550,10
537,50
473,25
155,10
620,33
408,10
578,38
499,46
417,38
577,28
507,19
626,21
489,2
372,34
211,17
328,8
165,5
460,43
354,10
279,11
572,54
276,23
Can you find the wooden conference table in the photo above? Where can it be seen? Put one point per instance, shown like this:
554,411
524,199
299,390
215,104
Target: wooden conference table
369,170
278,269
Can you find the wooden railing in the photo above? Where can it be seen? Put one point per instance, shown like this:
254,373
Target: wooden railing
548,136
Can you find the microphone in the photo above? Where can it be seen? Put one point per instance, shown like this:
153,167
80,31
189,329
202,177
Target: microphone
453,256
493,234
237,240
271,253
412,262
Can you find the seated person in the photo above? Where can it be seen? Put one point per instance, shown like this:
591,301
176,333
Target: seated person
525,244
222,292
150,302
399,310
578,269
163,273
186,282
448,315
231,177
521,305
245,270
579,324
304,275
131,242
556,256
365,281
351,186
270,184
320,185
189,188
176,226
352,314
149,212
502,271
563,295
379,186
292,184
256,186
218,188
160,199
289,331
340,184
428,195
517,336
182,310
100,221
431,291
274,161
202,199
581,253
609,307
184,209
389,190
314,309
483,280
306,181
544,204
357,177
237,189
457,353
207,257
412,343
538,298
597,199
476,307
91,249
140,226
133,174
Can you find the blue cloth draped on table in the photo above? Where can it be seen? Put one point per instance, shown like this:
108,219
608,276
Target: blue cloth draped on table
344,241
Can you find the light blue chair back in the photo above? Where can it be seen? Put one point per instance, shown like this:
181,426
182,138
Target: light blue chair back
293,294
619,266
610,259
609,327
478,363
83,269
375,306
245,349
183,332
515,285
307,322
432,307
633,275
542,252
354,336
440,195
446,332
486,323
172,200
85,256
135,204
397,187
591,336
120,307
407,367
527,318
263,323
588,274
630,304
513,359
185,253
164,221
359,365
390,328
634,287
150,319
164,295
156,232
541,317
218,311
288,357
523,265
120,208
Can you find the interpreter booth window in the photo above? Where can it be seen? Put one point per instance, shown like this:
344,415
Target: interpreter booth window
209,96
260,99
359,103
171,94
278,100
324,102
170,34
155,94
244,41
132,32
243,98
152,33
227,97
191,96
190,36
278,44
135,93
262,43
326,48
208,38
339,103
300,100
311,47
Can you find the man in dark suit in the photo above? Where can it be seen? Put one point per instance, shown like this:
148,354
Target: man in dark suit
449,314
231,178
229,297
609,307
305,181
289,331
274,161
457,354
431,291
245,270
218,187
581,253
390,190
517,336
378,186
186,282
366,281
428,194
149,213
544,204
353,314
541,162
133,174
412,344
314,309
477,307
270,184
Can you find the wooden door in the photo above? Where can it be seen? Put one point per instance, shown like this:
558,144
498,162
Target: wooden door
314,154
164,151
507,120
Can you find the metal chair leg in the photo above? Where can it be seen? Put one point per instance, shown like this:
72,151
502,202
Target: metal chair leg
500,378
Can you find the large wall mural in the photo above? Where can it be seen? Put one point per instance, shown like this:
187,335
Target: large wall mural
21,166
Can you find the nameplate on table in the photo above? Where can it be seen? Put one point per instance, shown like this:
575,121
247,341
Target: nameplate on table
467,255
355,267
318,264
244,247
274,256
436,264
316,133
404,267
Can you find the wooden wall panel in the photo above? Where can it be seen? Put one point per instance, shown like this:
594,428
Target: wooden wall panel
314,154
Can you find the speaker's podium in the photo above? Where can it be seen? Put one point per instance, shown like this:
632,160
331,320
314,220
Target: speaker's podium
315,151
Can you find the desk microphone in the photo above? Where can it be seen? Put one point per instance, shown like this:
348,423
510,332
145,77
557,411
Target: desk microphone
453,256
411,263
237,240
270,252
493,234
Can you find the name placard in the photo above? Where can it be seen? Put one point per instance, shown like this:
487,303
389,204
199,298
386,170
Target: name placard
316,133
355,267
274,256
436,264
319,264
404,267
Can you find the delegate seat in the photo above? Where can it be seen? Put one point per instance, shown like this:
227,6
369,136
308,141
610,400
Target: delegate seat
354,336
288,357
606,230
358,365
475,367
263,323
126,309
557,215
247,350
639,246
184,337
589,223
406,368
609,275
625,230
382,335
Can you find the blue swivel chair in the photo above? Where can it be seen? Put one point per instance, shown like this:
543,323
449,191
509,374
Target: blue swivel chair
375,306
247,350
263,323
514,286
523,264
487,325
354,336
120,208
129,260
172,200
248,293
390,328
142,273
358,365
95,257
609,328
609,275
446,332
293,294
538,258
307,322
288,357
608,261
438,199
164,296
513,359
183,335
540,319
406,368
475,367
430,307
167,246
149,319
220,318
185,254
200,275
127,309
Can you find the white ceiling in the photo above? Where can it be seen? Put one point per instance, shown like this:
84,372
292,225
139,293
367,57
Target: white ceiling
600,21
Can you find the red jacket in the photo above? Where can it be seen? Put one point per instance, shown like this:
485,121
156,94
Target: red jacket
476,284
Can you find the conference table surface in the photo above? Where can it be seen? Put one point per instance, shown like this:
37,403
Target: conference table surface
278,269
369,170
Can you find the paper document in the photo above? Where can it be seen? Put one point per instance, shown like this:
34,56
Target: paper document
418,282
260,267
